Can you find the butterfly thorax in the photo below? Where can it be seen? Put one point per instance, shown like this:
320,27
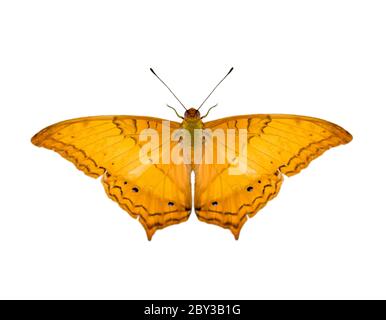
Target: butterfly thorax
192,120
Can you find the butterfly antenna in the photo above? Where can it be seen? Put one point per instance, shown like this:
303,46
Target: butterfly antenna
215,88
151,69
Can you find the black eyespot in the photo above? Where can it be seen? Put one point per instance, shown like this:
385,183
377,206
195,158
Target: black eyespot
249,189
135,189
125,182
214,203
170,204
259,181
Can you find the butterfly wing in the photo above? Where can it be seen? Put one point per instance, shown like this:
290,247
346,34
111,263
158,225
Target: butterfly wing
109,146
276,145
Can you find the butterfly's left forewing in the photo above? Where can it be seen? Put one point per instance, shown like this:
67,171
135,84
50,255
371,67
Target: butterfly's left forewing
159,195
276,145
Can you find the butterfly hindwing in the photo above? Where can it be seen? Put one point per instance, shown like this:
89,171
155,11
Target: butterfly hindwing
109,146
276,145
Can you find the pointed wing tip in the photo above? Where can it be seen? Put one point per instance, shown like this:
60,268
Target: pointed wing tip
340,132
35,140
39,137
348,136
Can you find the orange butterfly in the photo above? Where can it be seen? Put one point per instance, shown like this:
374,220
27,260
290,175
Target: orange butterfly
159,193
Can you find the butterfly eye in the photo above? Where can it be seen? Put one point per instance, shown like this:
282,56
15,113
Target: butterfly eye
214,203
249,189
170,204
135,189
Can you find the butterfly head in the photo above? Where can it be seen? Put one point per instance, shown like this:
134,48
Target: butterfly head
192,114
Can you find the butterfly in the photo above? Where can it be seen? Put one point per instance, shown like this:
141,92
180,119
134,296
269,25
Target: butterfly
160,194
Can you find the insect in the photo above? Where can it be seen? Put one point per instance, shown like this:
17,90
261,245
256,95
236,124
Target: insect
159,194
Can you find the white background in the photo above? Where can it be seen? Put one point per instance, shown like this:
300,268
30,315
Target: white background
322,237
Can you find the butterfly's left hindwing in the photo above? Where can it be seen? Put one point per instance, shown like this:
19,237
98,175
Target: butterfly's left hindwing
158,194
276,145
